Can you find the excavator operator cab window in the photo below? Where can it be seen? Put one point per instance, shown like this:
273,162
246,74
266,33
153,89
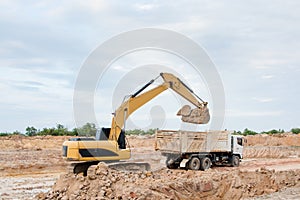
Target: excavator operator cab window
121,140
104,134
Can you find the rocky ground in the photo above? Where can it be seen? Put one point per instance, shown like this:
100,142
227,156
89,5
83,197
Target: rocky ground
105,183
32,168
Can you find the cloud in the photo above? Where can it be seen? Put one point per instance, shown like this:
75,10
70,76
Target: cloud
261,66
263,100
63,9
145,7
44,43
267,76
236,113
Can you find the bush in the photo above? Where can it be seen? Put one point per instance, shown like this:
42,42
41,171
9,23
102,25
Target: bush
89,129
133,132
237,133
273,131
295,130
17,133
140,132
13,133
4,134
31,131
249,132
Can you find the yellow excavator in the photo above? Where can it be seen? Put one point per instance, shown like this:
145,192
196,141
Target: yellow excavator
109,145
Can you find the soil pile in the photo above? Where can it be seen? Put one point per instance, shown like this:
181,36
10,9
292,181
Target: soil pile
195,116
271,152
20,142
106,183
272,146
283,139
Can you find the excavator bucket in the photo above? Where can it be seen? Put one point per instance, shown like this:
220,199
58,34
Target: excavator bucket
194,116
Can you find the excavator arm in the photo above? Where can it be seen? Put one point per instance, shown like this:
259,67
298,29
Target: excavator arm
137,100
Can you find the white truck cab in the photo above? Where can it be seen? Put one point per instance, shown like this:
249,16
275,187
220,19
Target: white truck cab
237,143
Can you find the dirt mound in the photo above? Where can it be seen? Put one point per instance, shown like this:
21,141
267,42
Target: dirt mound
20,142
272,146
106,183
284,139
271,152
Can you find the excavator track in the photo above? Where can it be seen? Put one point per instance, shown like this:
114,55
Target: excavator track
130,166
82,167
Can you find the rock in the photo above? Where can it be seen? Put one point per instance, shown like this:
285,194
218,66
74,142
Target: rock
101,169
195,116
64,198
91,177
176,184
208,186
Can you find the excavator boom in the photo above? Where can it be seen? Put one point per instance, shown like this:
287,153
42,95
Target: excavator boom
137,100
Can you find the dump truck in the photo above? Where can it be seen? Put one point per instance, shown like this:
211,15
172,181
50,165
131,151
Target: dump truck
199,150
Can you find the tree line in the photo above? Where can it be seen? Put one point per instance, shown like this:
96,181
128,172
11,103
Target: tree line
89,129
270,132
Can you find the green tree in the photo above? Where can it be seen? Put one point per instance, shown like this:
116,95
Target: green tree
295,130
89,129
273,131
237,133
60,130
140,132
16,132
134,132
4,134
31,131
43,132
74,131
249,132
150,131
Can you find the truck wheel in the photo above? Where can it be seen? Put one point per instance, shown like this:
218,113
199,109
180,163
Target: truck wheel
235,161
194,163
170,162
205,163
172,166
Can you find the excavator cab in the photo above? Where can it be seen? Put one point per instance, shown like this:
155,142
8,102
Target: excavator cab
103,134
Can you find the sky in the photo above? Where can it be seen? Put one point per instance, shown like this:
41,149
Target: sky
253,44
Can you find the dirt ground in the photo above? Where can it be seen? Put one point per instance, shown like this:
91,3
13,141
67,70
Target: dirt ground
32,168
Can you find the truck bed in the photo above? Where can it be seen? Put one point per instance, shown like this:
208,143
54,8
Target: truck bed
168,141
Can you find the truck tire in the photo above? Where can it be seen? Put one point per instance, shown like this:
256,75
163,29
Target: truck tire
205,163
171,162
194,163
172,166
235,161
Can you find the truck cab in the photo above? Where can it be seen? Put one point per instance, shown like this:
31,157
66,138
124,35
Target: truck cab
237,143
